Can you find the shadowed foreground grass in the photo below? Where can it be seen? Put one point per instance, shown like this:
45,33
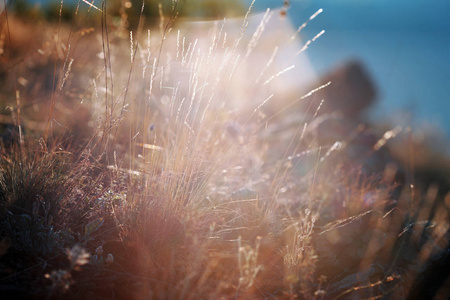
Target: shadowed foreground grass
166,163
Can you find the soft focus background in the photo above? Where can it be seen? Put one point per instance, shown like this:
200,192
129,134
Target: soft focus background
404,45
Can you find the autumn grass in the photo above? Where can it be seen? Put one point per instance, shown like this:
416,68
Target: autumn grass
154,165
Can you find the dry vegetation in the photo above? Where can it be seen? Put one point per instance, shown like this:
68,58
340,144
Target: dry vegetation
165,163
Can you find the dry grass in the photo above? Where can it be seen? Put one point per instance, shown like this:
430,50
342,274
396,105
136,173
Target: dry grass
171,163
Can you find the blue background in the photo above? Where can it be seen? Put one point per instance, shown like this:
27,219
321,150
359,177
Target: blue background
405,45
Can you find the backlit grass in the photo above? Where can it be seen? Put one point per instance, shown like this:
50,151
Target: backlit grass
177,162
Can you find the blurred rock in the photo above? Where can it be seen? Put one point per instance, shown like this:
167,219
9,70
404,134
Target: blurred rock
350,92
329,128
358,141
351,145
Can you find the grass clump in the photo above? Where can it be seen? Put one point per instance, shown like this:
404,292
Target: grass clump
163,164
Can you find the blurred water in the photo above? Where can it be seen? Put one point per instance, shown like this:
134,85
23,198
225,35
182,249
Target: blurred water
404,44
